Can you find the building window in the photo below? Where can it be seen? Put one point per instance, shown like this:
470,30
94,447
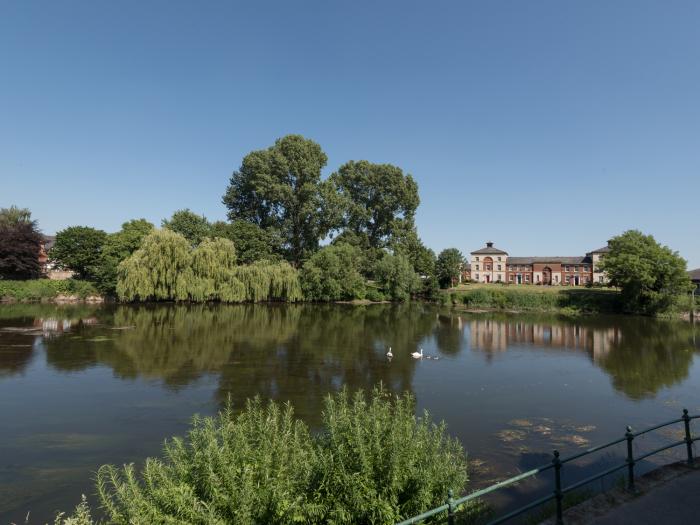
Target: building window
476,276
575,268
511,278
567,268
499,267
585,268
499,259
477,266
527,278
510,267
477,258
568,279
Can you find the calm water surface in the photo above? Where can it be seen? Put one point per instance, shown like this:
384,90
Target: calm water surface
81,386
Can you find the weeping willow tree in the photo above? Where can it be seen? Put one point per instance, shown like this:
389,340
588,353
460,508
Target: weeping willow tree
167,268
213,273
161,269
265,281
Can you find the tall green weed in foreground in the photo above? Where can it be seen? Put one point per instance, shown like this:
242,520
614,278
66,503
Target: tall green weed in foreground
373,461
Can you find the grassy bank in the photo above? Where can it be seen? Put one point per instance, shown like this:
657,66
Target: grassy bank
45,290
524,298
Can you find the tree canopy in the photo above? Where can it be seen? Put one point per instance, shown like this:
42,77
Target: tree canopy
117,247
332,274
396,277
251,241
651,276
377,200
280,190
448,267
79,248
195,228
20,244
167,268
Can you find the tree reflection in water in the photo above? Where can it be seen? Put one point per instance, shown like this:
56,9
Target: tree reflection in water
300,352
641,355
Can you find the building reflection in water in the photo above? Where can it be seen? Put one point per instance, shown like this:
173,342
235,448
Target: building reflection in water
493,335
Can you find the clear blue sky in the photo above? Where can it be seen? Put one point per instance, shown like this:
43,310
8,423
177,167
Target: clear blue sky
545,126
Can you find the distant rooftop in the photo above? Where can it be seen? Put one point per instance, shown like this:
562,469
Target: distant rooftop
576,259
604,249
489,250
694,275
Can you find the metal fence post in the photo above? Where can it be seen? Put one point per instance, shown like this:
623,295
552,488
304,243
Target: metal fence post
630,459
688,437
557,487
451,509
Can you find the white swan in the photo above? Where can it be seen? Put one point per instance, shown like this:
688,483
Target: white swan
417,355
389,354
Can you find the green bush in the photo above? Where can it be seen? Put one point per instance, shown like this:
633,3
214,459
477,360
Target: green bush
332,274
565,300
44,289
373,461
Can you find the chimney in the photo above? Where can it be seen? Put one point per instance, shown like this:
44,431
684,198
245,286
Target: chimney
489,244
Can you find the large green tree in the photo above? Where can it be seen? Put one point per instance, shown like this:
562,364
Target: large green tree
651,276
449,266
251,241
377,199
406,242
332,274
280,189
79,248
117,247
20,244
195,228
396,277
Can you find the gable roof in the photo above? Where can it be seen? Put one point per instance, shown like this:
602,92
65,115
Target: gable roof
604,249
694,275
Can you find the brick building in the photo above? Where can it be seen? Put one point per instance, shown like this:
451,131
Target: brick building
493,265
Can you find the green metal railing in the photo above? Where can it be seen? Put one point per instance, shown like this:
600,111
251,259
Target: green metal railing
452,505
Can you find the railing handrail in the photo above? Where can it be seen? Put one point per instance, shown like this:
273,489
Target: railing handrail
557,463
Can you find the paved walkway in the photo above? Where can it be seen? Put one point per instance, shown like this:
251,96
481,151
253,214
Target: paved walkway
667,495
675,501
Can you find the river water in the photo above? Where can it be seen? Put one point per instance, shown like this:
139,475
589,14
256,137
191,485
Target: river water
85,385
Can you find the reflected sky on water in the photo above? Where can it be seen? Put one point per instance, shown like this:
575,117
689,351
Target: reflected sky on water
85,385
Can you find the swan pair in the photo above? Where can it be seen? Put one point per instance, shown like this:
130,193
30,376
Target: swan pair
419,355
414,355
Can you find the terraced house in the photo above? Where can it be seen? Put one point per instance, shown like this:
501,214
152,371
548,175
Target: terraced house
493,265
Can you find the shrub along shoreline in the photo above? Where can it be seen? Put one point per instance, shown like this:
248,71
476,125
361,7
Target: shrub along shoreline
372,461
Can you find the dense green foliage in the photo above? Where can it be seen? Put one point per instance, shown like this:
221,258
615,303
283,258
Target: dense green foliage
280,189
251,241
651,276
79,249
117,247
40,289
448,267
20,244
566,300
396,277
332,274
167,268
158,270
195,228
377,201
373,461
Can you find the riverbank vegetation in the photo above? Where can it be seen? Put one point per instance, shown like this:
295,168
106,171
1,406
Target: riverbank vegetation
45,290
372,461
530,298
292,235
